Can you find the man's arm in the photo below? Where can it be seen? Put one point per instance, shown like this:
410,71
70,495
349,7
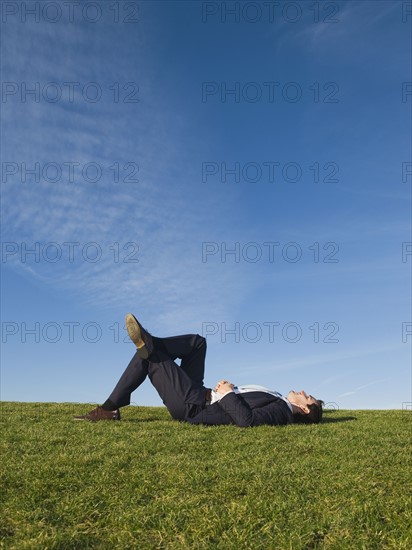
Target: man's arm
272,414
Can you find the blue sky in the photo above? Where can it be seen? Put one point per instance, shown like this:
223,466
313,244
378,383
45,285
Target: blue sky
155,171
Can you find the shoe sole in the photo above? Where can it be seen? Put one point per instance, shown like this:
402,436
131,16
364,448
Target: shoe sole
86,419
134,331
95,419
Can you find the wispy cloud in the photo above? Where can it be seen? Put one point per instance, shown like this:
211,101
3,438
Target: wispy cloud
352,17
164,219
322,359
359,388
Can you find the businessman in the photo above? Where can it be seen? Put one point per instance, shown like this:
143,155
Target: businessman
187,399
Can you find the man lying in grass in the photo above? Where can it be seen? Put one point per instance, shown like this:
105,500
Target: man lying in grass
182,391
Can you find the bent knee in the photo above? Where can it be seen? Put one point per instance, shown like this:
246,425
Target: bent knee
201,340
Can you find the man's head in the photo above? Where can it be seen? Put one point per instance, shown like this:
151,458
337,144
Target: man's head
306,409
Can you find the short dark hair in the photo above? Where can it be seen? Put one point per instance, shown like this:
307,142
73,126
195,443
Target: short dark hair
314,416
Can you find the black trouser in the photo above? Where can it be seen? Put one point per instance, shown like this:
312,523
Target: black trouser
180,388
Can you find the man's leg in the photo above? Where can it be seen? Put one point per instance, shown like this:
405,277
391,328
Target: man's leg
134,375
190,348
180,388
182,396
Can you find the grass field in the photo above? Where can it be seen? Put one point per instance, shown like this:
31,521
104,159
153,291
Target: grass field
150,482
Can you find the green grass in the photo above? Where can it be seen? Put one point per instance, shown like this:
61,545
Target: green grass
150,482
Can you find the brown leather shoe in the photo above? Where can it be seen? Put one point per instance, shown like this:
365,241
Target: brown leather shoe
139,336
99,414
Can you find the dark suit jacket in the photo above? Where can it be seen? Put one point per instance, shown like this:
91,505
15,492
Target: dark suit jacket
246,409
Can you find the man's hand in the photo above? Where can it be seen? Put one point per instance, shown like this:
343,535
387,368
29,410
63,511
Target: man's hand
223,387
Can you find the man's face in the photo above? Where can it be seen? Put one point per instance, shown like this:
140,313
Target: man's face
301,399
